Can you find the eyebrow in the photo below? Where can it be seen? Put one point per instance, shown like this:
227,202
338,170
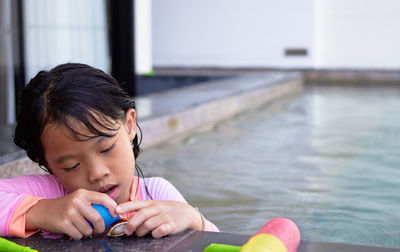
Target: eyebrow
69,156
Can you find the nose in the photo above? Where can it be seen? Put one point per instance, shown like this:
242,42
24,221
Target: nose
97,171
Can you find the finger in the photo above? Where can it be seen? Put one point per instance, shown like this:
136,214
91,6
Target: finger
105,200
153,223
73,232
133,205
163,230
82,226
139,219
90,214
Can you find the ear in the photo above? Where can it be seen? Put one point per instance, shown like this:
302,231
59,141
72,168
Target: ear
130,123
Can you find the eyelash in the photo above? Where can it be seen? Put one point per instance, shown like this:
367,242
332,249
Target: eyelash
72,168
108,149
104,151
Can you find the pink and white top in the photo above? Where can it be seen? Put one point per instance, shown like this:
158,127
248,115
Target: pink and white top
19,194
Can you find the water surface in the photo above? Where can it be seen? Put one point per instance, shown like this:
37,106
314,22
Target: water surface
329,159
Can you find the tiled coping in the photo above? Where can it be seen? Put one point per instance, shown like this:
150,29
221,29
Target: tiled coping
349,76
176,113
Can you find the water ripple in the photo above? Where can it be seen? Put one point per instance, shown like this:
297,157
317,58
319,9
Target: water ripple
328,159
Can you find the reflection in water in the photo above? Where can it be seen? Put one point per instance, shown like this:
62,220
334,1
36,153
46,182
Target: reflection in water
328,160
108,249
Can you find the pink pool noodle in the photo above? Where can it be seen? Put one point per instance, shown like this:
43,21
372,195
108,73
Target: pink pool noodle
285,230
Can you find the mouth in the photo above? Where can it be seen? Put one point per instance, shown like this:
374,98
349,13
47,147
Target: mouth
110,190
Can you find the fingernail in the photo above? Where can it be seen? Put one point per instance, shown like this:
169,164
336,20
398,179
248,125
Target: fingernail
118,209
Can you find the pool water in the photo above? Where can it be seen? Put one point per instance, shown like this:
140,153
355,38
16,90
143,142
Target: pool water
329,159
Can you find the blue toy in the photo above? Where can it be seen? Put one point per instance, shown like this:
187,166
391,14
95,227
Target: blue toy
108,219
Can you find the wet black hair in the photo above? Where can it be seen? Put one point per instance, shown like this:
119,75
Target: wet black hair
70,91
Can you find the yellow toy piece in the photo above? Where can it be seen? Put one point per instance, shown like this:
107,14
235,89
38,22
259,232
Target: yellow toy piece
264,243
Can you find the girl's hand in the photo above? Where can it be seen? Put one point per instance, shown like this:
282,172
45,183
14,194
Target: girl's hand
69,214
159,217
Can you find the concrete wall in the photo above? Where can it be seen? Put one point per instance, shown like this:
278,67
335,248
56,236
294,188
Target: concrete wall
232,33
344,34
357,34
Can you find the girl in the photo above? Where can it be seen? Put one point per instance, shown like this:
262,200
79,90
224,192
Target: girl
79,125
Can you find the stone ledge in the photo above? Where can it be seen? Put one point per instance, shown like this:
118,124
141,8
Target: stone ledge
20,166
180,123
345,77
175,114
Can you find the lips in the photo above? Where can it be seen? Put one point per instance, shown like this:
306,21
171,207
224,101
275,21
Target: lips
106,188
110,190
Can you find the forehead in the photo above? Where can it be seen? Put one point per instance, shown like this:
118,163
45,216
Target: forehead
58,139
90,126
55,130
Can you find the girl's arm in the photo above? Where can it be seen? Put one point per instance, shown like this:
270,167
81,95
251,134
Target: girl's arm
30,203
18,195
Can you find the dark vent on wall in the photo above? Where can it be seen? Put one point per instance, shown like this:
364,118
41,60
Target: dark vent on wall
296,52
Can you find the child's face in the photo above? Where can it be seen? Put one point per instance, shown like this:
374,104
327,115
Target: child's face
100,164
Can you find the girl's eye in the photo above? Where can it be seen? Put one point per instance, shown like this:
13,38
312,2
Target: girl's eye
72,168
108,149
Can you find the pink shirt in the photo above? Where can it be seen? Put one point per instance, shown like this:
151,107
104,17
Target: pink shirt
19,194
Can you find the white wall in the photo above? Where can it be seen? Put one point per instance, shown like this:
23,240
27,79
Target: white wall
232,33
143,44
357,34
65,31
344,34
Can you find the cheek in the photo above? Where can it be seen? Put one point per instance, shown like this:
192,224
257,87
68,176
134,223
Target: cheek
70,182
125,158
126,149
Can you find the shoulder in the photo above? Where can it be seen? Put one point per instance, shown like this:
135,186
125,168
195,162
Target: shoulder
160,189
46,185
30,179
156,181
